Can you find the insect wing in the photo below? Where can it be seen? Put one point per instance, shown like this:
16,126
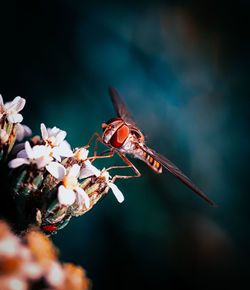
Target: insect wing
120,107
167,164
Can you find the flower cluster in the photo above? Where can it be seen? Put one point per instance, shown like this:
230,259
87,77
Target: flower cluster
51,178
10,127
46,155
49,154
49,181
46,184
31,262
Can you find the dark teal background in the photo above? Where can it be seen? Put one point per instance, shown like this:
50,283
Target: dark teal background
182,68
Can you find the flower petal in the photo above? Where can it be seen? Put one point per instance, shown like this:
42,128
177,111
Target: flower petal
17,162
40,151
15,118
20,103
17,148
83,195
44,132
22,153
56,169
118,194
55,154
65,150
53,131
43,161
22,131
74,170
60,136
65,196
28,150
1,104
89,170
19,132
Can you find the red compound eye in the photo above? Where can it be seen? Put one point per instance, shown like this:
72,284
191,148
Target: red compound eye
120,136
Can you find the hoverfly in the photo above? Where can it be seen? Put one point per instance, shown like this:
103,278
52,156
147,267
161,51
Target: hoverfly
121,135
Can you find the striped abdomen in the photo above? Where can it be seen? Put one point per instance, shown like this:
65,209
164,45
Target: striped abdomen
149,159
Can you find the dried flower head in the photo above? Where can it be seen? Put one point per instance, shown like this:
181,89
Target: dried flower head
33,261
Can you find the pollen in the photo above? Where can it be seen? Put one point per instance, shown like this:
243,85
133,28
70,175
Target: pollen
13,112
51,141
105,174
69,182
82,154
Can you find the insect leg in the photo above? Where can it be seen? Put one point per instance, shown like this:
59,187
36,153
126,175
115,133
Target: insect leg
99,138
91,139
130,164
110,151
104,152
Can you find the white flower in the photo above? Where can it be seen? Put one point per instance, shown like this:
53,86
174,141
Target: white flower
22,131
13,108
70,190
39,155
116,191
54,138
87,169
81,154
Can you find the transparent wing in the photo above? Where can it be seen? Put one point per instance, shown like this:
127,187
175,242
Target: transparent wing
120,107
167,164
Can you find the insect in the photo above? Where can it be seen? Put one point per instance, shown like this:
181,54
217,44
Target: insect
121,135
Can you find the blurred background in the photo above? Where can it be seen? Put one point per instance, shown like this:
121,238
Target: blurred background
182,68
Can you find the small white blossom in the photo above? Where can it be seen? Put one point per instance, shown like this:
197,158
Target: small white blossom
70,190
87,168
116,191
39,155
22,131
81,154
54,138
13,108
